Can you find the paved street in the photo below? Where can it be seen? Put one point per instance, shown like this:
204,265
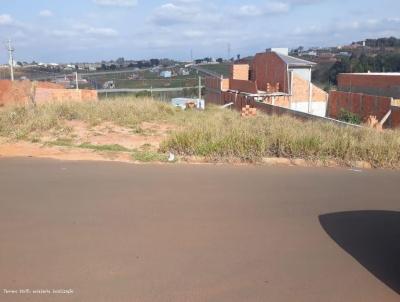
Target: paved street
148,233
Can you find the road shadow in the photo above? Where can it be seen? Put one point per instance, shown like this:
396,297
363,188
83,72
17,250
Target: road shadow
372,238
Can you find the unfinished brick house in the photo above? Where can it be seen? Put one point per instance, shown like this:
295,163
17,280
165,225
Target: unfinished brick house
273,77
368,94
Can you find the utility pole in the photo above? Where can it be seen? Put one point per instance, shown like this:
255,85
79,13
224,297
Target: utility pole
76,81
199,87
229,51
191,56
11,50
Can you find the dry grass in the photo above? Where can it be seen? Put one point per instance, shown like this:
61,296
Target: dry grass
215,134
219,135
23,122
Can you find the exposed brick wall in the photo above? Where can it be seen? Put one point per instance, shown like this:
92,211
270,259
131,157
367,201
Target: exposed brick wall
213,83
395,117
240,101
47,95
244,86
213,97
319,95
225,84
21,92
240,72
269,68
373,84
282,101
358,103
301,91
213,92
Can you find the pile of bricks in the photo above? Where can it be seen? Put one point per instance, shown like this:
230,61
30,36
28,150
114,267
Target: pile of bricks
249,112
190,105
273,88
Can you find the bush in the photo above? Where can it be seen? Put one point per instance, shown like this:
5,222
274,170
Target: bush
349,117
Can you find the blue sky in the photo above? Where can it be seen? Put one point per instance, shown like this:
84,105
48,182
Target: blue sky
92,30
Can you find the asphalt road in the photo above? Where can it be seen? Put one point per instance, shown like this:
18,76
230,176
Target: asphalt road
119,232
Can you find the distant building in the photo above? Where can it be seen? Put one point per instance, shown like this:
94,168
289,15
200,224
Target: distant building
184,72
345,54
166,74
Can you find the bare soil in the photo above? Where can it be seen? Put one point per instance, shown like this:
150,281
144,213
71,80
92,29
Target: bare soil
147,135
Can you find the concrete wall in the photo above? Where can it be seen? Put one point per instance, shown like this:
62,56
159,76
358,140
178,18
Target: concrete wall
317,108
269,68
304,73
372,84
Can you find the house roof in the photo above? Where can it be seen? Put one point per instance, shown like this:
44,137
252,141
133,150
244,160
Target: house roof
295,62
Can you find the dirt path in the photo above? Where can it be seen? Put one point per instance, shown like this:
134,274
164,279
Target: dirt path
25,149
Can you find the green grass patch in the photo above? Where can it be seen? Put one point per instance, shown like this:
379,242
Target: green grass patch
61,142
148,156
106,148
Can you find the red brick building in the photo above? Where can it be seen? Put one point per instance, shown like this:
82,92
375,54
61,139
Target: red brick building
367,94
274,78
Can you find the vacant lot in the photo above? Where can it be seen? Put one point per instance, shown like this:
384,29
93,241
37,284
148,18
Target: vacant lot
148,130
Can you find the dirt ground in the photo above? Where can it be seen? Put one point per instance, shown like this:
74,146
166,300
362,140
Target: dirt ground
147,136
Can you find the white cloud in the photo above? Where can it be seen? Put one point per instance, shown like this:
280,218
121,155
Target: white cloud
46,13
101,31
185,11
120,3
6,19
84,31
269,8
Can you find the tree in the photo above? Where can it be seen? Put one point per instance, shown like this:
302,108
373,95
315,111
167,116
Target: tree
220,60
154,62
120,61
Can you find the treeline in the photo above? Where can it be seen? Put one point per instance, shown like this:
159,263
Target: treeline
383,42
361,63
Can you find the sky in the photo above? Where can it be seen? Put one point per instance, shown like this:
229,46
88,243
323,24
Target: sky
93,30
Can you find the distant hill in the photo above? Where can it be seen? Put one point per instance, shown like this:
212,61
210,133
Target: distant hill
383,42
